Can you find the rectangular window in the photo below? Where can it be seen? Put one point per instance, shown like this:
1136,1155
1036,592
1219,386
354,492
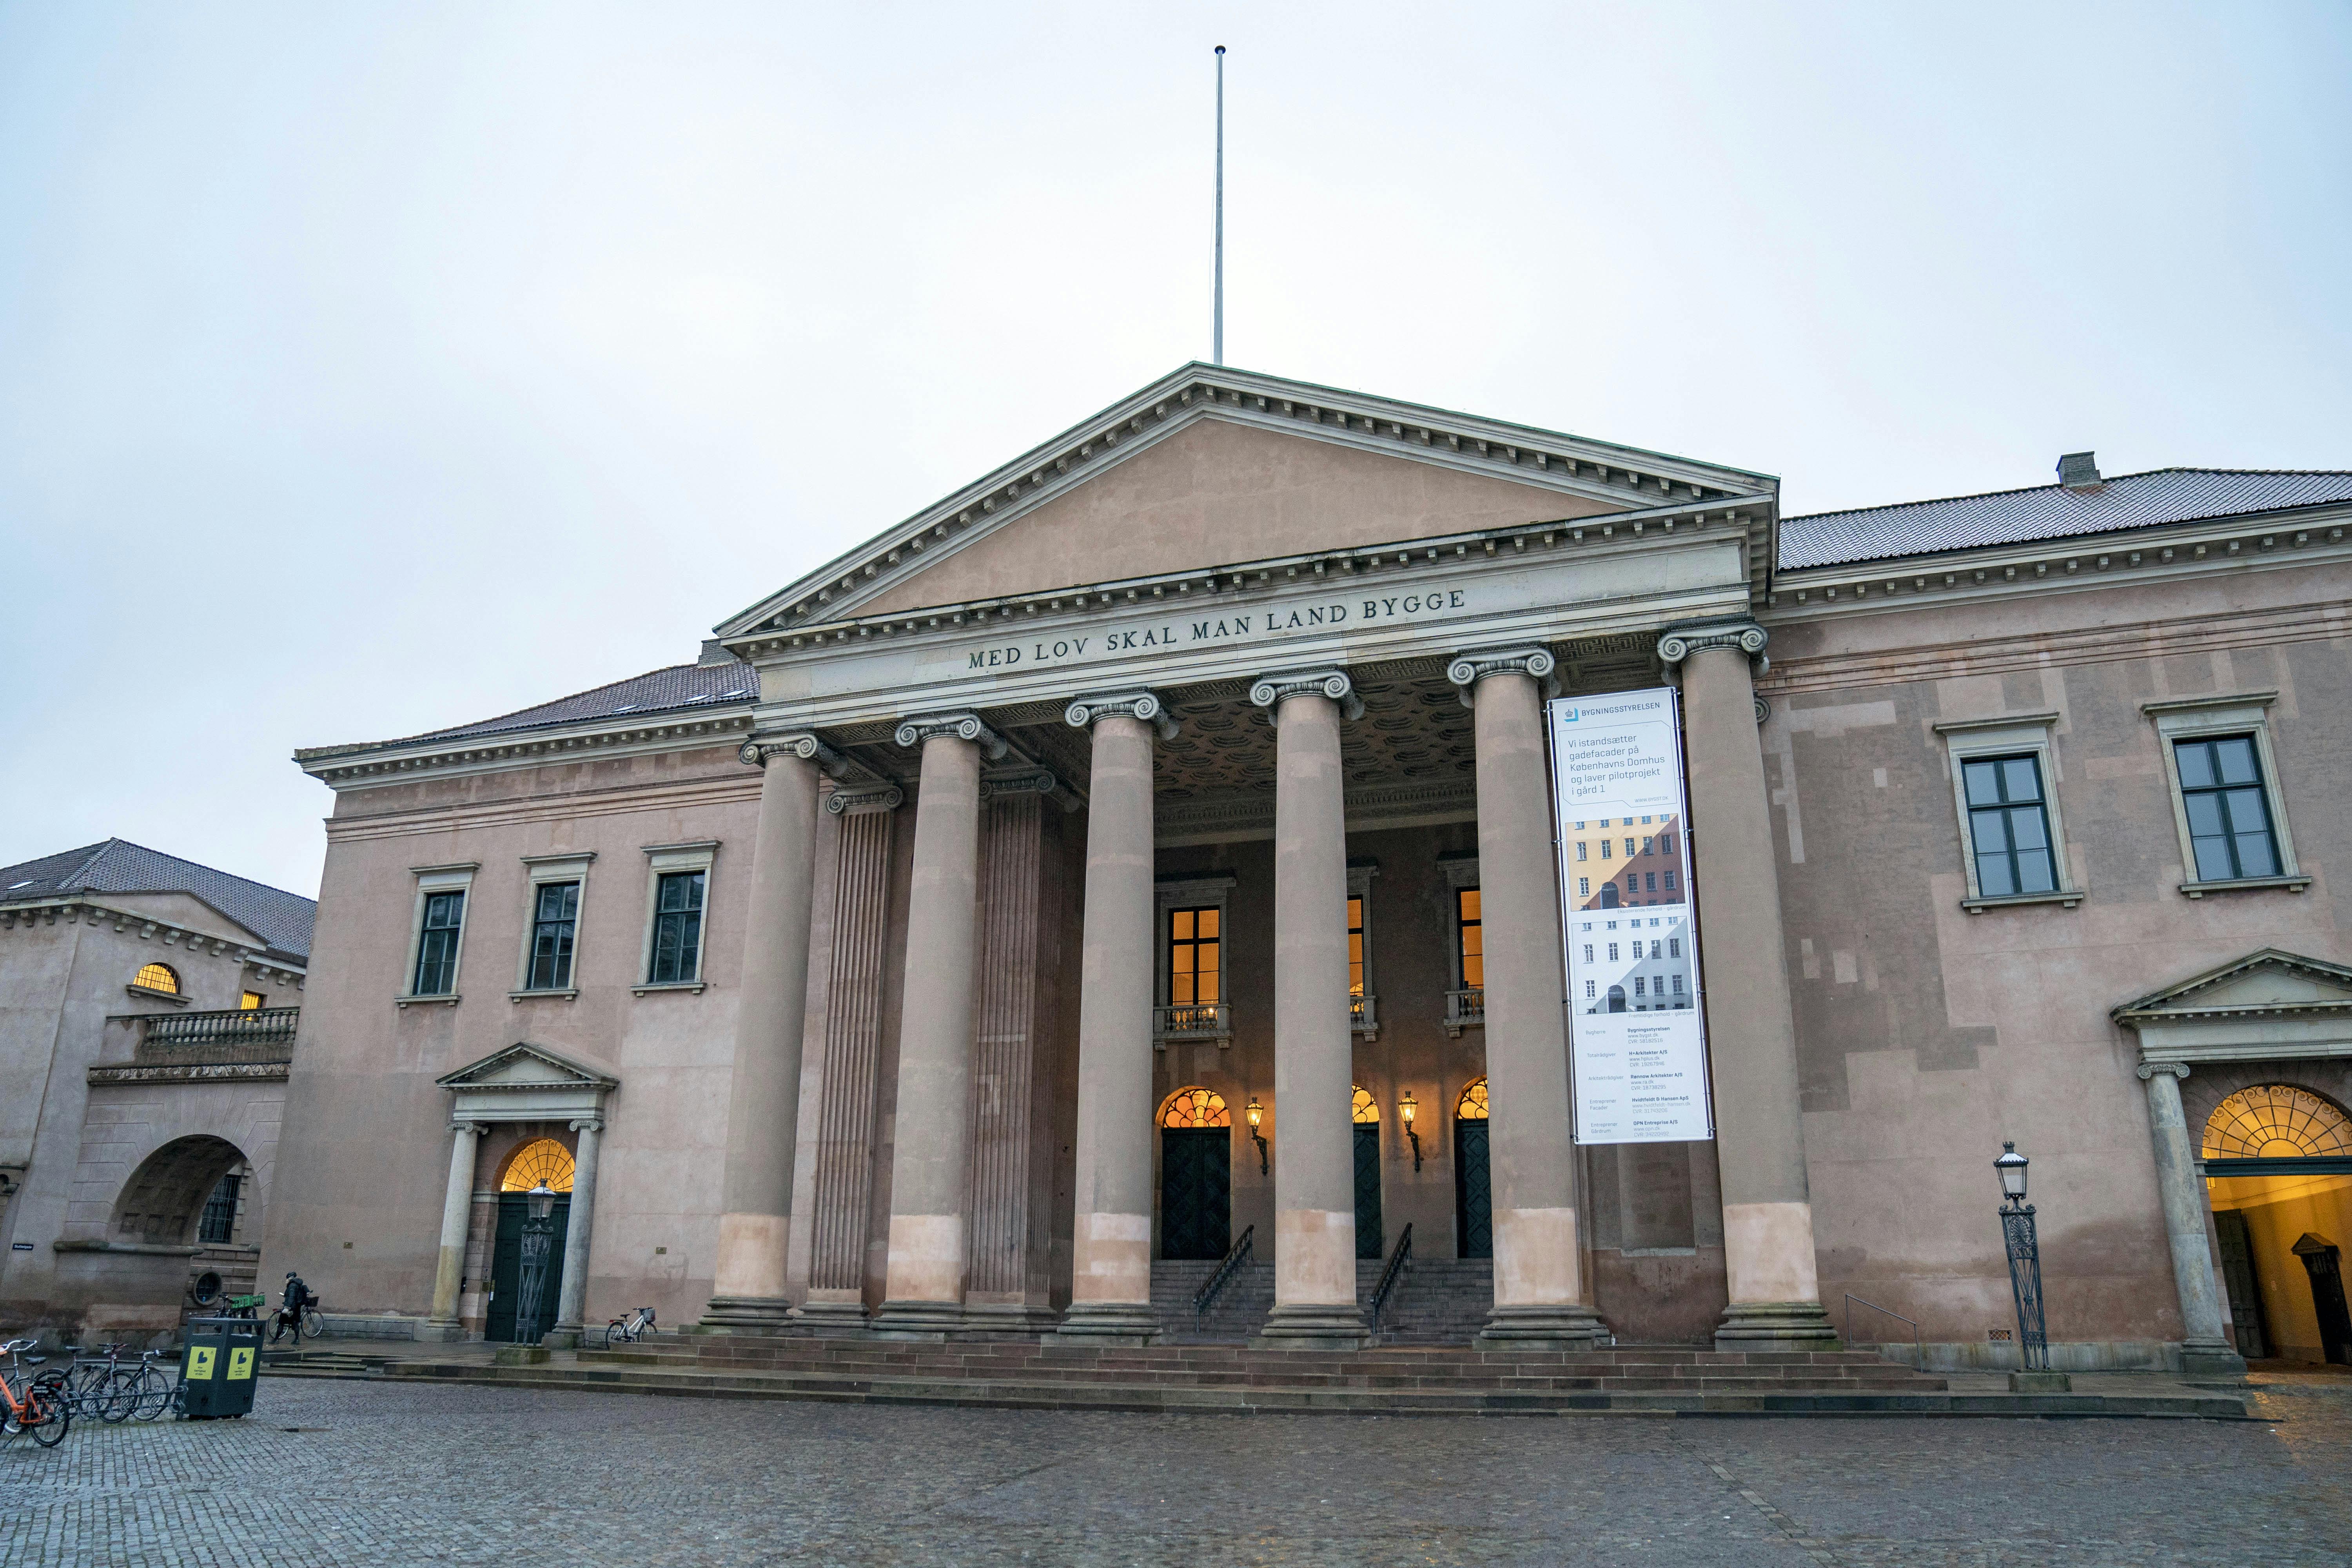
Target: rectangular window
1649,845
1584,887
1195,955
1678,985
2229,819
1588,991
1629,849
1579,849
436,949
217,1227
1355,947
252,1001
1670,882
678,929
1649,881
554,923
1604,848
1469,938
1674,947
1640,985
1612,952
2010,826
1587,953
1665,843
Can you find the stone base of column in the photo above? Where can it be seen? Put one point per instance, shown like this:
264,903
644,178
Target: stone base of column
2215,1360
1302,1327
560,1339
931,1322
1009,1317
1795,1326
1123,1323
1568,1328
440,1331
832,1319
744,1315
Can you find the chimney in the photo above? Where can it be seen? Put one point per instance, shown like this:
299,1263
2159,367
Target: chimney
2080,471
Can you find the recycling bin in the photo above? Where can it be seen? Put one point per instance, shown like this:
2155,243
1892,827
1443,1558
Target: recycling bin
217,1367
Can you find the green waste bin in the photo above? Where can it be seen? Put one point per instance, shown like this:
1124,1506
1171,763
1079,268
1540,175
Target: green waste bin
218,1368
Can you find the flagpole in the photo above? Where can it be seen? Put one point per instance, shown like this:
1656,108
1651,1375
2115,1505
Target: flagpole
1217,334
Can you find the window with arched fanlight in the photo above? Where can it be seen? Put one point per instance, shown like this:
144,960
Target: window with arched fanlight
540,1159
1195,1107
2277,1122
157,978
1365,1109
1472,1106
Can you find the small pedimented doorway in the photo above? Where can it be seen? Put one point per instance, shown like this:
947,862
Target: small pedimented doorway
541,1160
1196,1175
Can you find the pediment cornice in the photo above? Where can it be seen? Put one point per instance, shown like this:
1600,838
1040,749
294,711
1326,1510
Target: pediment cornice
2198,998
499,1070
1625,477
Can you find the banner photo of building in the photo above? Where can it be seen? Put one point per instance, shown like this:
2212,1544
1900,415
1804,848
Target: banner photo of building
1638,1038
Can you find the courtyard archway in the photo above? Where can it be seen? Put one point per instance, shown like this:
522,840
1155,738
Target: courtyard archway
2278,1167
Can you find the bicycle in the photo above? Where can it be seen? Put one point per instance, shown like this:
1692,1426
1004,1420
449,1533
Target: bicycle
38,1405
629,1328
303,1322
97,1384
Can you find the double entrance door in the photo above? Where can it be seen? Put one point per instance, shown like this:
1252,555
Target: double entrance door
1196,1183
506,1272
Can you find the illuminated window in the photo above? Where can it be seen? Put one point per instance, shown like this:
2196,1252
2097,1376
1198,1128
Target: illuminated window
157,978
1472,1106
2277,1122
1195,1107
1355,947
543,1160
1193,954
1469,938
1365,1109
252,1001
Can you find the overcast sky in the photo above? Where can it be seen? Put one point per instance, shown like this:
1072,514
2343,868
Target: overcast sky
369,369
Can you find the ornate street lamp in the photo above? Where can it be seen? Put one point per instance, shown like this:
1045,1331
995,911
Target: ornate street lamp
1406,1107
2024,1250
1256,1113
538,1241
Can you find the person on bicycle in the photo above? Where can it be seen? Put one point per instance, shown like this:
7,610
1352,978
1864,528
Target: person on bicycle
289,1313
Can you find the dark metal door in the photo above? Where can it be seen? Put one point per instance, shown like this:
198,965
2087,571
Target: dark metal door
506,1265
2238,1279
1368,1189
1473,1223
2324,1263
1196,1180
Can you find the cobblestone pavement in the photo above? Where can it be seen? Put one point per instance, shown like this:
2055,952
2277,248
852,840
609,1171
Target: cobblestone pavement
368,1473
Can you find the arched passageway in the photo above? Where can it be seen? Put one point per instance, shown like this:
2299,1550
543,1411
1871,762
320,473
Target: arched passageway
2278,1161
164,1198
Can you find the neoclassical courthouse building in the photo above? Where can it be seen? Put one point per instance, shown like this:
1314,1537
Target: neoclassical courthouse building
1151,849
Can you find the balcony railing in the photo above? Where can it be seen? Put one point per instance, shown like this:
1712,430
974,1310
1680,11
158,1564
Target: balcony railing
1466,1009
178,1032
1364,1016
1192,1021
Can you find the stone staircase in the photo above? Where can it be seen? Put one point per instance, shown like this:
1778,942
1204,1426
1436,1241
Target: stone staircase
1438,1301
321,1364
1238,1312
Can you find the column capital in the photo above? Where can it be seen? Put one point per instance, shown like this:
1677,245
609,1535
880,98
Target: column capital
1467,669
588,1124
913,733
2149,1069
1677,643
887,797
1024,780
760,750
1267,691
475,1128
1083,711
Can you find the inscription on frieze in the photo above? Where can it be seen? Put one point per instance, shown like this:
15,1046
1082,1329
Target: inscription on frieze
1166,632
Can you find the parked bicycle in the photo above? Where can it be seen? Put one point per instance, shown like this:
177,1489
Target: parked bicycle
629,1328
97,1383
36,1403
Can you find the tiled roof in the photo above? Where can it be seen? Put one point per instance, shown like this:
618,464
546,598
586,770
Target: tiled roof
281,919
678,686
2049,511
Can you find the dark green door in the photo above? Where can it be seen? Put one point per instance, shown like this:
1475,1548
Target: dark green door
1196,1181
505,1266
1368,1189
2237,1280
1473,1223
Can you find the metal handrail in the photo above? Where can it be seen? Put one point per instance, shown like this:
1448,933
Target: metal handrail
1852,1300
1391,1275
236,1026
1235,1256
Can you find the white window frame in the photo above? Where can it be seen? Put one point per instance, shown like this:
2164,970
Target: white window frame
1364,1020
2015,734
2210,718
457,877
1211,889
662,860
539,870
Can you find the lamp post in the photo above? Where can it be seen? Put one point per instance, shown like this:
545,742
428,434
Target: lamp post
1406,1106
538,1241
2024,1250
1256,1113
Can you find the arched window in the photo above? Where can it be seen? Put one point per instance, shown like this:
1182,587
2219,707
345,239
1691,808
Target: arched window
541,1160
1472,1106
2277,1122
1195,1107
158,978
1365,1109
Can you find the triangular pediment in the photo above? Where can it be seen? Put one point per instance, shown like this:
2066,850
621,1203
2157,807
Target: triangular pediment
1212,466
524,1066
2271,981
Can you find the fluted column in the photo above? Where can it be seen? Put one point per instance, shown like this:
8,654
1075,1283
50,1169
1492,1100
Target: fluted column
1541,1290
1767,1212
1110,1286
2205,1346
756,1190
450,1270
571,1292
1314,1147
930,1147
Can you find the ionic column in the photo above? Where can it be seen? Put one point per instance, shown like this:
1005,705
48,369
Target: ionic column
1767,1212
571,1292
2205,1347
449,1270
1542,1291
1313,1151
748,1283
1110,1286
930,1148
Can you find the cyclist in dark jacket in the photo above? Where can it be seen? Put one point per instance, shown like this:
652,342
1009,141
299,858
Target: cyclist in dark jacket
290,1314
